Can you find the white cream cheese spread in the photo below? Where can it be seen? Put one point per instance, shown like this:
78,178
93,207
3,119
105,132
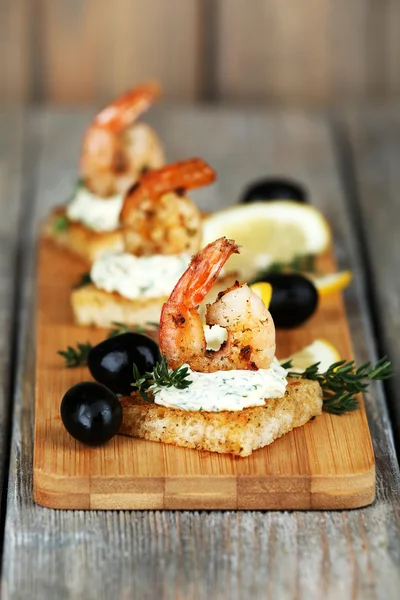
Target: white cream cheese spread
133,277
225,390
96,213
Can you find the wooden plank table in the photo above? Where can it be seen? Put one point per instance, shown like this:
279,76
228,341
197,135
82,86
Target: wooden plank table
374,145
83,555
11,193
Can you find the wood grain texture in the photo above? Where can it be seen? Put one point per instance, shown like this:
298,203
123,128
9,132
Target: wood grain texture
198,555
374,144
313,52
280,51
277,50
94,50
326,464
11,162
15,39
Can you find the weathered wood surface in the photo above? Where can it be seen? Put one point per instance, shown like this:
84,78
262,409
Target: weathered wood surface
374,150
281,51
70,555
314,52
11,164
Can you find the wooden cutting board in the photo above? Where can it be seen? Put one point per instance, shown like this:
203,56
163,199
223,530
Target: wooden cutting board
327,464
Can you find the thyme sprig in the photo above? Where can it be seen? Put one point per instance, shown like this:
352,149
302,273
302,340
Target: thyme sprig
307,263
77,356
120,328
299,264
343,381
160,376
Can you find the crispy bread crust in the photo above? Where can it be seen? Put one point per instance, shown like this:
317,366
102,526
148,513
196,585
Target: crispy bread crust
238,432
80,240
92,306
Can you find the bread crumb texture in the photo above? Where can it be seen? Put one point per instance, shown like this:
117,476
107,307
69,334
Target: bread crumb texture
238,432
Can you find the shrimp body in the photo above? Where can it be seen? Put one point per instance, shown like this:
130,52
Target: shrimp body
115,149
249,325
157,217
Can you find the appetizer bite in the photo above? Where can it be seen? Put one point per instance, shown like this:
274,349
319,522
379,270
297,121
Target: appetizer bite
232,400
116,151
162,228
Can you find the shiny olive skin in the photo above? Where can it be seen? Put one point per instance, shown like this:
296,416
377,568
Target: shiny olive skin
274,188
294,299
91,413
111,361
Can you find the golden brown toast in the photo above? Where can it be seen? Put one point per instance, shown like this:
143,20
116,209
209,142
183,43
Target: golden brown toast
80,240
236,432
93,306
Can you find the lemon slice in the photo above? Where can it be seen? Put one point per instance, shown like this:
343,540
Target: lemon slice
263,290
320,351
333,282
268,232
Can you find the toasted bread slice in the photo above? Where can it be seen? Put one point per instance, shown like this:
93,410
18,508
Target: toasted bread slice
83,242
238,432
93,306
80,240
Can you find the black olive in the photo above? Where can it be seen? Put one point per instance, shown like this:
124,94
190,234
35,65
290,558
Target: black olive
111,361
91,413
294,299
274,189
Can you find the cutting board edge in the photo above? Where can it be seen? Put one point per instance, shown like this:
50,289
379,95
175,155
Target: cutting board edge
50,492
315,492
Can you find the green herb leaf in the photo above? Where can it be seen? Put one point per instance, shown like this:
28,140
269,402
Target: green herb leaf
124,328
287,365
84,280
161,376
299,264
153,324
76,357
121,328
343,381
61,223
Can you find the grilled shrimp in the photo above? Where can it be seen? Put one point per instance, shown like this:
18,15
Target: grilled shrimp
157,217
115,149
249,325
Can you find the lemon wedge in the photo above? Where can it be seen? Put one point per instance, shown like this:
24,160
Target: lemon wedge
333,282
263,290
320,351
268,232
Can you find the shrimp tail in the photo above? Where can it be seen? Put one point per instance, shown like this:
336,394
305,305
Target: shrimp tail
185,175
110,158
204,268
123,111
250,342
181,330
